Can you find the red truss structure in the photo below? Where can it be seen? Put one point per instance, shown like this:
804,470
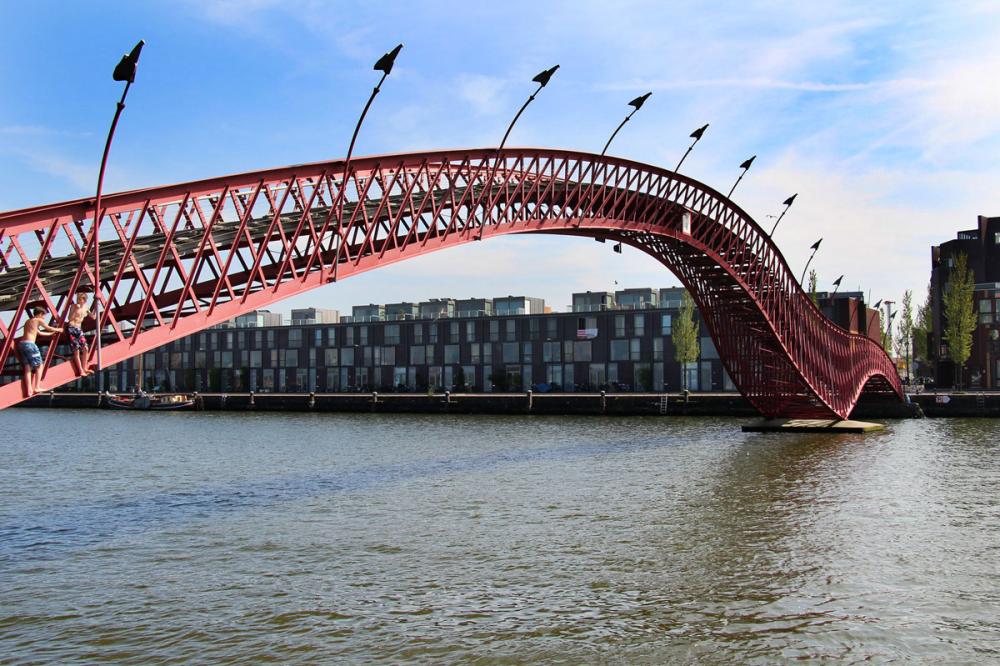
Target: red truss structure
179,258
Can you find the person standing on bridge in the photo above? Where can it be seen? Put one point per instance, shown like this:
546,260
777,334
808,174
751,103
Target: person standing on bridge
74,328
31,357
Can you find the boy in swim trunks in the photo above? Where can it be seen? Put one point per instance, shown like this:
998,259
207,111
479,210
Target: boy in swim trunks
74,329
31,357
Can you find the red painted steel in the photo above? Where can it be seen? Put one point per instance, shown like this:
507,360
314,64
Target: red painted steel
179,258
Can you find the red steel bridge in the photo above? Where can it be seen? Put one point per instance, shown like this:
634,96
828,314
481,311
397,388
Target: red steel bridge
176,259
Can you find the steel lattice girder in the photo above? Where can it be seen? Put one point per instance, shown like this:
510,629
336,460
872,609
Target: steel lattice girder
179,258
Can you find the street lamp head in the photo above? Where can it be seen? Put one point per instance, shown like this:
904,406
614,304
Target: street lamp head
542,78
385,63
125,69
790,200
746,163
877,305
836,282
696,135
815,246
639,101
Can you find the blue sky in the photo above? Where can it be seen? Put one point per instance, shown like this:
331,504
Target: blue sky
885,119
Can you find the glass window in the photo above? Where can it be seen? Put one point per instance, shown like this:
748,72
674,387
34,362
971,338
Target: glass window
347,355
657,349
432,333
619,326
418,334
474,352
985,305
568,381
388,356
453,332
551,328
528,352
553,375
451,352
291,358
391,334
597,377
199,359
568,350
666,325
227,359
581,350
362,335
417,355
510,330
331,357
487,353
227,340
331,337
318,337
639,324
619,350
551,352
633,349
349,336
510,352
494,330
470,331
533,328
295,337
612,373
429,353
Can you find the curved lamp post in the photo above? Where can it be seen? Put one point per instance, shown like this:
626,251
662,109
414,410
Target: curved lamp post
788,204
746,167
384,65
542,79
637,104
814,247
696,135
124,71
836,286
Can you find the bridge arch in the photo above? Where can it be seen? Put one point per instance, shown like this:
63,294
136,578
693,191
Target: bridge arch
179,258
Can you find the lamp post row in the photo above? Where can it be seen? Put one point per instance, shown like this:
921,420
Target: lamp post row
126,71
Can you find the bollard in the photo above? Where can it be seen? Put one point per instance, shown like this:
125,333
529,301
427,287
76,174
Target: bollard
374,399
312,399
604,401
531,400
252,399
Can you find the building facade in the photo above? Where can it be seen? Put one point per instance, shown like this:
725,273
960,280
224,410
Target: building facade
982,248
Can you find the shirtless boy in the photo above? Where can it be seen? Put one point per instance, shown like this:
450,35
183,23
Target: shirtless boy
74,329
31,357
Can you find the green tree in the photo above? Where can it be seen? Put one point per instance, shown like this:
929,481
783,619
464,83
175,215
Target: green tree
960,319
813,279
685,334
904,337
921,330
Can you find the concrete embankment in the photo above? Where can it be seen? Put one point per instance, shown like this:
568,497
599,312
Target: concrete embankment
623,404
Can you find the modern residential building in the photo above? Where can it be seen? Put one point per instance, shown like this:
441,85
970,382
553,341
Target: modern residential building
307,316
474,307
593,301
437,308
614,350
371,312
401,311
982,248
518,305
637,299
255,319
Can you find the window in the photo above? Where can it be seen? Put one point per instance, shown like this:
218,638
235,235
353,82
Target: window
295,337
551,352
568,351
553,374
418,334
533,328
388,356
227,340
347,355
349,336
494,330
451,352
633,349
256,339
291,358
453,331
429,353
474,352
363,335
227,359
432,333
487,353
657,349
417,355
510,330
639,324
581,350
318,337
391,334
470,331
330,357
528,352
619,326
551,328
510,352
666,325
619,350
996,238
331,338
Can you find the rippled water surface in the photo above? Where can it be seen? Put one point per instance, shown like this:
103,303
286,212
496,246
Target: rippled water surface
372,538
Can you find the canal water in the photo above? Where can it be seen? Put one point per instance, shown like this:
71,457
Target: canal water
179,538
